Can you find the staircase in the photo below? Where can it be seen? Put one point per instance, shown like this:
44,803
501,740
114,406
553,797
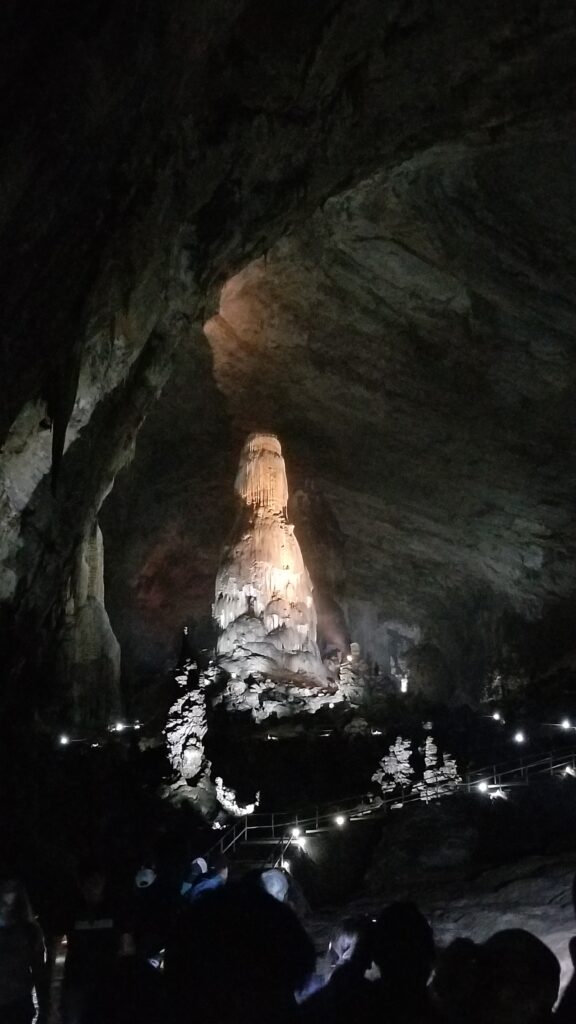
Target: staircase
263,840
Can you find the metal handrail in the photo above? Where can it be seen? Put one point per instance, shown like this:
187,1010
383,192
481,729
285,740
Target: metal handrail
277,825
543,766
499,767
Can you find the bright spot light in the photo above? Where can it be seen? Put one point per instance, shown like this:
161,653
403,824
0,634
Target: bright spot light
565,723
376,732
301,842
285,865
496,716
519,737
404,684
340,820
234,674
348,657
296,832
64,741
483,787
119,726
331,704
569,770
137,726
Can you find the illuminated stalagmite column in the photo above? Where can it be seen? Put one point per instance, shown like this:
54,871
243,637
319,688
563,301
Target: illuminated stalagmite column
264,603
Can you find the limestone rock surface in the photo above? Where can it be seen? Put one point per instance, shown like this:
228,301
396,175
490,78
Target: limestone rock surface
153,151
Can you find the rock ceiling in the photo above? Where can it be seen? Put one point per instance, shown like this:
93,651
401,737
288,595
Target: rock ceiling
413,346
387,193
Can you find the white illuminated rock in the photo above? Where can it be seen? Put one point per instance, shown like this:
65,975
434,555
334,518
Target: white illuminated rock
440,773
186,728
226,797
264,603
395,770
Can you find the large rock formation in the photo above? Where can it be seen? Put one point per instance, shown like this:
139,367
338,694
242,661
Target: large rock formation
153,151
89,674
264,602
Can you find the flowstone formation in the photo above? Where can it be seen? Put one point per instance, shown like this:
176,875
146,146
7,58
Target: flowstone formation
264,600
185,731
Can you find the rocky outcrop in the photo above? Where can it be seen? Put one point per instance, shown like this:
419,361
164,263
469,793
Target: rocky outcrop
187,726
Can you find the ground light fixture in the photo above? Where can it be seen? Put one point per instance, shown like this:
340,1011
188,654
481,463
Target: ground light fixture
565,723
519,737
483,786
301,842
64,740
496,716
340,820
296,832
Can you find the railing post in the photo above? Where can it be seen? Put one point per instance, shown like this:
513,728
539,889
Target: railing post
273,830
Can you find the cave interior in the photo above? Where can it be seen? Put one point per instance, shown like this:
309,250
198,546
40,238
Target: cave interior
350,226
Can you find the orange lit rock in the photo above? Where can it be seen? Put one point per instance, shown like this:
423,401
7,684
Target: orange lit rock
264,602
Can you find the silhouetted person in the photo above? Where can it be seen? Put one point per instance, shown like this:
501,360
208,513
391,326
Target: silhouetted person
96,939
148,915
237,956
197,868
22,961
346,996
403,951
208,881
513,978
275,882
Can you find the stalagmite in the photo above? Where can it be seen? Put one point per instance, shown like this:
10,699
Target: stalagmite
395,771
90,653
264,602
187,726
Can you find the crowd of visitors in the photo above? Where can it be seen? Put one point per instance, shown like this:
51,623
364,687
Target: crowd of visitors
213,951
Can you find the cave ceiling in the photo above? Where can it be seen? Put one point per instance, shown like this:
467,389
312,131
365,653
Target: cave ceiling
369,208
413,347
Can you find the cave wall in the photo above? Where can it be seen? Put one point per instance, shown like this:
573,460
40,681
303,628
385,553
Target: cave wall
149,152
412,347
